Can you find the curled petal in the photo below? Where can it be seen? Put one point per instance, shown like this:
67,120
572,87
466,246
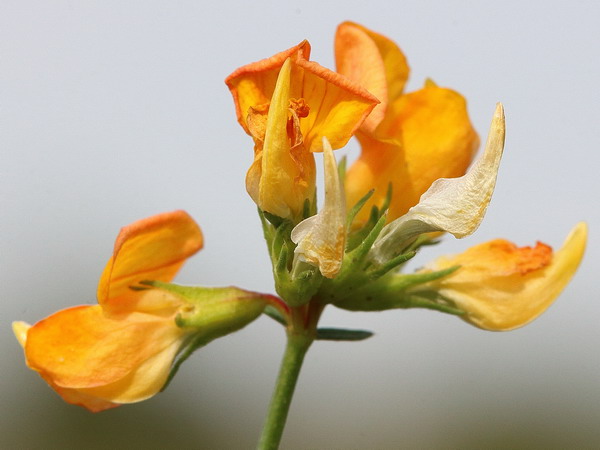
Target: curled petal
373,61
455,205
254,84
116,359
501,287
150,249
336,105
321,238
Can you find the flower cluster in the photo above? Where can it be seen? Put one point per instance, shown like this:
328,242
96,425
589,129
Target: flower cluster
414,180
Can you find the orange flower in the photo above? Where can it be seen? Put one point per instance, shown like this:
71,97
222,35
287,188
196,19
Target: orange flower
500,286
288,104
121,350
409,140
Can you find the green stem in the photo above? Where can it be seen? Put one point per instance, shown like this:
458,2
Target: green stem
296,347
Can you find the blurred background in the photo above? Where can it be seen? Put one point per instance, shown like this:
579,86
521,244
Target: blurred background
113,111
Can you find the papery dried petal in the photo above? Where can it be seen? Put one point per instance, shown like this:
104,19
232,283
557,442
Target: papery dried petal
455,205
321,238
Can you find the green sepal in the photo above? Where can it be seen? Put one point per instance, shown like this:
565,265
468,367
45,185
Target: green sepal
273,219
298,287
341,334
391,264
433,300
356,237
403,282
397,292
191,344
213,312
274,314
356,208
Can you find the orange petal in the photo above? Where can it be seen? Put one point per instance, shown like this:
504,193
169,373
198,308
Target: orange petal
76,397
337,106
502,287
150,249
253,84
381,162
426,135
81,348
373,61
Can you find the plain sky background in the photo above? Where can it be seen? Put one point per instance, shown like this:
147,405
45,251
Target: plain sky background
111,111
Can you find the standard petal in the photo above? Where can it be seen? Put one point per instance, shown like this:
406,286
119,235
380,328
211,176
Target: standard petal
81,347
253,85
426,135
321,238
150,249
502,287
455,205
373,61
336,105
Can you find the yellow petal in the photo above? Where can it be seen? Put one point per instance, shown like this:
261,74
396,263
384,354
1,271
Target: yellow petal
455,205
373,61
336,105
286,178
382,162
321,238
253,84
81,347
79,398
150,249
145,381
426,135
502,287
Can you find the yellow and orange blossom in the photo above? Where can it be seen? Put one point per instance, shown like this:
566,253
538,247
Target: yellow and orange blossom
288,104
121,350
409,140
500,286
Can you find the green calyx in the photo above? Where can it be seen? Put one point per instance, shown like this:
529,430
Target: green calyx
295,282
208,314
362,284
213,312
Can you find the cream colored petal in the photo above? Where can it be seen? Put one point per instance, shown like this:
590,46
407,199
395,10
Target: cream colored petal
454,205
321,238
20,329
498,299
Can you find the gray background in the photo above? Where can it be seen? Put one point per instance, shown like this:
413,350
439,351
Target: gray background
113,111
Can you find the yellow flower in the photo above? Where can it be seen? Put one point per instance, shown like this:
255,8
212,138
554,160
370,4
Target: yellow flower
122,350
409,140
500,286
288,104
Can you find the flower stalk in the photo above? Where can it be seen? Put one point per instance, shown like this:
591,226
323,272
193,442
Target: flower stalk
296,347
